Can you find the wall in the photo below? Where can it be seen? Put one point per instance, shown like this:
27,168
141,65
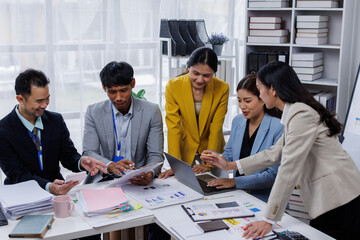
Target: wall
355,46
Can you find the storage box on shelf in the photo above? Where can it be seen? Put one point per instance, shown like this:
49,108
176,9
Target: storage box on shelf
334,43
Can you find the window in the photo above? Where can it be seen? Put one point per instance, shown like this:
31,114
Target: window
71,41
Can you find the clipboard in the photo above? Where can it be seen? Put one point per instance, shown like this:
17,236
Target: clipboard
32,226
216,211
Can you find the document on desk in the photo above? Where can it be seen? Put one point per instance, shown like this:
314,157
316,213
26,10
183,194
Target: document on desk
132,173
161,193
105,220
213,211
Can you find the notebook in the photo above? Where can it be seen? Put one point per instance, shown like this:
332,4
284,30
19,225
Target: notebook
185,175
32,226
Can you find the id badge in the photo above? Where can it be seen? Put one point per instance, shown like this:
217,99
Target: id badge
117,158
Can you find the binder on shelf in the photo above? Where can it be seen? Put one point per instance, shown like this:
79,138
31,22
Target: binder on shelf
262,60
328,100
202,33
165,33
184,32
185,35
272,57
283,57
198,32
317,96
180,46
252,63
258,59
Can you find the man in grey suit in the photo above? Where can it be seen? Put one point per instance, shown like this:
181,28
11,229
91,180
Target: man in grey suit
123,132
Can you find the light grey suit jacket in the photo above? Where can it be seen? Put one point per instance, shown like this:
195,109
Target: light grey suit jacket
316,164
147,139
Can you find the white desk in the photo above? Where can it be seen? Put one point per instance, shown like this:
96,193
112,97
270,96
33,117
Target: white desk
75,226
172,215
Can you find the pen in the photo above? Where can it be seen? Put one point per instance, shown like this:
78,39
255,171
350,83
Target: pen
209,155
211,198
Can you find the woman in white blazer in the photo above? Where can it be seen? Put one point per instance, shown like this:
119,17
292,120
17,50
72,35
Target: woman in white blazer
311,156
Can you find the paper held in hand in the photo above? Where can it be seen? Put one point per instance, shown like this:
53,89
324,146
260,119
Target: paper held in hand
132,173
76,177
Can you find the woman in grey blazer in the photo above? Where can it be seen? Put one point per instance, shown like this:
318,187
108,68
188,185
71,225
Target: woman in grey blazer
311,156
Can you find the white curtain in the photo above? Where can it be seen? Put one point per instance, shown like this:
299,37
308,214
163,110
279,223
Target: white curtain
71,40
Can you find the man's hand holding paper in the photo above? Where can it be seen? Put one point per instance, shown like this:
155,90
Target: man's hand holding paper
121,166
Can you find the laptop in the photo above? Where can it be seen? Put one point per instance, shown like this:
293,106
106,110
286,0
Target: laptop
186,176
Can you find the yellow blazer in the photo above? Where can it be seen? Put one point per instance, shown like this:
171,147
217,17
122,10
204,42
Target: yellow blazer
316,164
185,135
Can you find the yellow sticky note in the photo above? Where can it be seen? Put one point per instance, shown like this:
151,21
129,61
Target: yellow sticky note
232,221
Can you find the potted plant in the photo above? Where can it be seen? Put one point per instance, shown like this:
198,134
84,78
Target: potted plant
217,40
140,94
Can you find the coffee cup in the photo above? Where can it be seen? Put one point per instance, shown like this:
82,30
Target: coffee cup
63,206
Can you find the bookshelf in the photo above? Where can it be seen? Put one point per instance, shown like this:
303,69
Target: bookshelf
336,60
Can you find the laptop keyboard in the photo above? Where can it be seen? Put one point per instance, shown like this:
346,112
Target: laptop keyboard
206,188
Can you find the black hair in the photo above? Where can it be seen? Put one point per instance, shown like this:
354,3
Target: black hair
288,87
116,73
203,55
27,78
248,83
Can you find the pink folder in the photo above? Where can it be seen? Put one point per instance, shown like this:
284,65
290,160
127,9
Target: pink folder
101,199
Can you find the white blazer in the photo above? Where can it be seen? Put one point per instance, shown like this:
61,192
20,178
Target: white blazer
316,164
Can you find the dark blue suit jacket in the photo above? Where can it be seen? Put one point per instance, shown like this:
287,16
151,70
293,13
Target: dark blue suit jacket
18,155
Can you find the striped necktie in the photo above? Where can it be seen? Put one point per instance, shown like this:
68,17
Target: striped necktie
37,143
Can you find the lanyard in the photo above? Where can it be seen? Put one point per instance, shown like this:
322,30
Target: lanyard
40,156
118,143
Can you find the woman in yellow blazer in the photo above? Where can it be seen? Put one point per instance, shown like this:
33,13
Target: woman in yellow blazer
311,156
196,104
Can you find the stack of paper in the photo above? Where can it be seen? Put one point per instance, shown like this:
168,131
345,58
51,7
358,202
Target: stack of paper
24,198
103,201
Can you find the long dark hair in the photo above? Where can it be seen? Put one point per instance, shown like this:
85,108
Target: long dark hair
202,55
288,87
248,83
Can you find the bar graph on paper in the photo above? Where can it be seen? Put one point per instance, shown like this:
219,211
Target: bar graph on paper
161,193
